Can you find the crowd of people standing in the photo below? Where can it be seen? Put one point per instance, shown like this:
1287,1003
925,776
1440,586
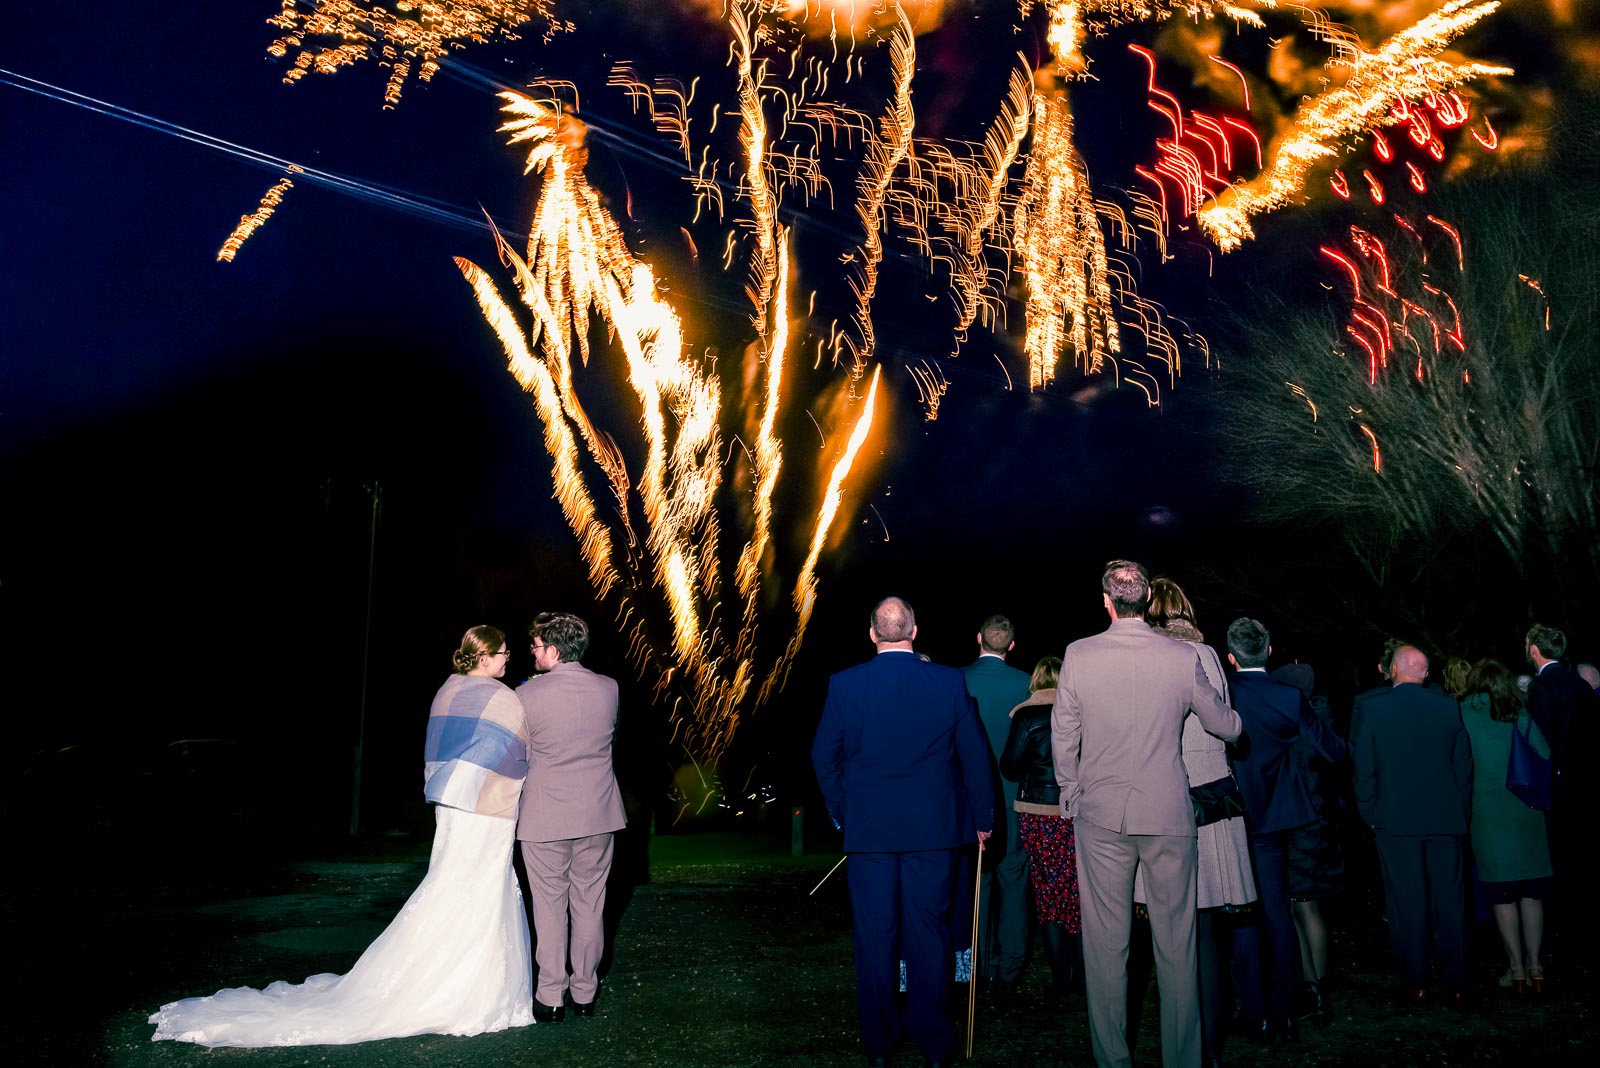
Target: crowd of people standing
1163,814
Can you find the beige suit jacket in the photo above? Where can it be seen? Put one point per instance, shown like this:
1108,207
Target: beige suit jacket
571,790
1117,728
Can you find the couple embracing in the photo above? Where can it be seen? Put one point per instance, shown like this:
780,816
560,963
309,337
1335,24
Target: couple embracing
535,766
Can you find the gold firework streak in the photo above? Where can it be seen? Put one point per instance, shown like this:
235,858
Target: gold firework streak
1063,251
753,137
1000,147
883,157
249,224
419,31
805,588
1406,68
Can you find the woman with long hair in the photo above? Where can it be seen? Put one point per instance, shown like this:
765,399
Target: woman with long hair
1046,834
1225,881
455,960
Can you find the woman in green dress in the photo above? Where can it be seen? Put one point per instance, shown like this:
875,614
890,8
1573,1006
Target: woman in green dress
1508,837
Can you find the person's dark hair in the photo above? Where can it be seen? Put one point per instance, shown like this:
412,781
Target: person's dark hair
1386,658
476,644
893,620
1551,642
1046,673
997,634
1495,679
1128,586
1456,672
1167,603
1249,642
563,631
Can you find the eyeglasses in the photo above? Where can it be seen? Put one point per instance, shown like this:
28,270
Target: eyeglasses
502,652
536,646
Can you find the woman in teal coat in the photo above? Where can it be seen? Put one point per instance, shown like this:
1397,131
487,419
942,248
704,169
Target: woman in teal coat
1508,837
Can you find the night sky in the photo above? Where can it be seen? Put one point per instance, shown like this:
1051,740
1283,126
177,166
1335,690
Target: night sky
187,447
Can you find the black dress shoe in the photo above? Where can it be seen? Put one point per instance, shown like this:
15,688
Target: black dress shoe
583,1008
545,1014
1313,1004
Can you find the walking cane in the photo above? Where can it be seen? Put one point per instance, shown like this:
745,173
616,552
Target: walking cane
831,870
972,981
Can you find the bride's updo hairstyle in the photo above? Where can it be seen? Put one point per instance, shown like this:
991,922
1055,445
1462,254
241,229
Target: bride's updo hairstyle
476,644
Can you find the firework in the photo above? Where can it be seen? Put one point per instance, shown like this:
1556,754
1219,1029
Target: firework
249,224
412,32
1406,67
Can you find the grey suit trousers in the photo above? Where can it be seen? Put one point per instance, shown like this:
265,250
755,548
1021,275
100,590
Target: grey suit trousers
1106,863
565,877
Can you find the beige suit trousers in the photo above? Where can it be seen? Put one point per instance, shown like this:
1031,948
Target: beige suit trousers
568,877
1106,863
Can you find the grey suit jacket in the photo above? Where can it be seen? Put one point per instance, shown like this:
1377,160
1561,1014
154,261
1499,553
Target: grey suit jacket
1117,728
571,790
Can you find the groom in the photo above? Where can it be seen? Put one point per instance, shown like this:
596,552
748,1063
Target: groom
571,809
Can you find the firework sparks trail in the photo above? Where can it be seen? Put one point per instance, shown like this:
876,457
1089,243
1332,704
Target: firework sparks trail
805,588
414,31
1000,148
581,266
577,264
883,157
1406,67
1063,251
249,224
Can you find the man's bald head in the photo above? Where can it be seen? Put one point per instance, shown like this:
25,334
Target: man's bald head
1410,664
893,621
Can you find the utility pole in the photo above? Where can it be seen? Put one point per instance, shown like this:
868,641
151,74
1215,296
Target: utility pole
375,491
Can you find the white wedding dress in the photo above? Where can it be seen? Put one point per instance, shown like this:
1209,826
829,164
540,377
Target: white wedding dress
455,961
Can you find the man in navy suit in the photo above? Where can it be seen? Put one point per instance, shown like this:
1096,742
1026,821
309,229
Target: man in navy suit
904,769
1276,802
1003,894
1562,704
1413,785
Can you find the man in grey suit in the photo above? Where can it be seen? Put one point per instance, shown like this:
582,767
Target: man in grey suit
1003,890
571,809
1117,731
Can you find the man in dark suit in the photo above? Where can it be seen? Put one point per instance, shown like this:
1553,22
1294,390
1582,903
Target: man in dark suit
904,769
1003,890
1276,802
1413,785
1561,704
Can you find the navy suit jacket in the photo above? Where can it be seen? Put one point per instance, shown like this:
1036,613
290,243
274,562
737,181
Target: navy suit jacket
1414,763
901,757
1273,716
1559,702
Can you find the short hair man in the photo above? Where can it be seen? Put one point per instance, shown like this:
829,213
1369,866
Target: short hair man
1276,800
1413,786
1116,733
1003,890
571,810
1563,706
904,769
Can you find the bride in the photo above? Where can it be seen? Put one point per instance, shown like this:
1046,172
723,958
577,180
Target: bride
455,960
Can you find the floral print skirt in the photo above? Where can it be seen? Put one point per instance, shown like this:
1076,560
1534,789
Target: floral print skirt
1053,868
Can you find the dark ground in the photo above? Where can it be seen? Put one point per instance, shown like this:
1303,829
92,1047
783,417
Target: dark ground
722,959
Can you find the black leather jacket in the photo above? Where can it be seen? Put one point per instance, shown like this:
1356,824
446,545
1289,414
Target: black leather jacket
1027,760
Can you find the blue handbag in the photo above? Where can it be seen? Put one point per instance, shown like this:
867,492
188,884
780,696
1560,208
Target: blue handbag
1528,775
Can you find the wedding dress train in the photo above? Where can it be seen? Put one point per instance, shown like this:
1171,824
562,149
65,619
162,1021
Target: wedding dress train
455,961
